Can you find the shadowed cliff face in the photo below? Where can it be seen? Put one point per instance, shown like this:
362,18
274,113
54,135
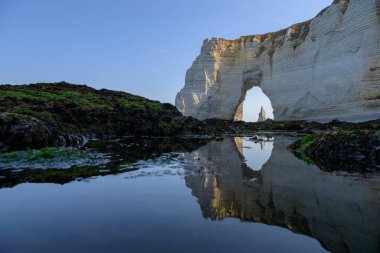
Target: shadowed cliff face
341,211
322,69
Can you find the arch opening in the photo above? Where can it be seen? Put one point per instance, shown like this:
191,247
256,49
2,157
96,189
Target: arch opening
254,101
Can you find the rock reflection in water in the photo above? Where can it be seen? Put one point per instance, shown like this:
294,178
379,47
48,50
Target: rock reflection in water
342,211
110,158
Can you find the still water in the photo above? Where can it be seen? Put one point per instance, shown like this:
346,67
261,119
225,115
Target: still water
234,195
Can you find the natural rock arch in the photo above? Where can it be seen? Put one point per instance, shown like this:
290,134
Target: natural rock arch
256,106
250,80
323,69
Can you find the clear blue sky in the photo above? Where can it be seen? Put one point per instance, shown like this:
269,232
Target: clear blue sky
140,46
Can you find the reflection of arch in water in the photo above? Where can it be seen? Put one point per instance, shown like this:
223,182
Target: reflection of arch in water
254,153
339,211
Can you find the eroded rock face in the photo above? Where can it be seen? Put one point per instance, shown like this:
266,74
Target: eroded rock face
326,68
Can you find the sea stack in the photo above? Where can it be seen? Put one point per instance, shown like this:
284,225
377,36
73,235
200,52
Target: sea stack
262,115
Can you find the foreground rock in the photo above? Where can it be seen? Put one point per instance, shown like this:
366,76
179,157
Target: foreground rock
323,69
62,114
355,151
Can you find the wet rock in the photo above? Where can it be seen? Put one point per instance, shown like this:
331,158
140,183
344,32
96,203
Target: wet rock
355,151
24,133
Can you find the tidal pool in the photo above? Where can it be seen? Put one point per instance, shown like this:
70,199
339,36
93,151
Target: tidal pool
186,195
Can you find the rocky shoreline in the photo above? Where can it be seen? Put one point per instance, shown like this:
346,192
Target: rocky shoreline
62,114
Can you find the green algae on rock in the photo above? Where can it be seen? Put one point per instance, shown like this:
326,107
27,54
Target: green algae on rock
354,151
61,114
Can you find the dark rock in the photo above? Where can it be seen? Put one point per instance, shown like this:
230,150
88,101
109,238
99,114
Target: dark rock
354,151
24,133
40,115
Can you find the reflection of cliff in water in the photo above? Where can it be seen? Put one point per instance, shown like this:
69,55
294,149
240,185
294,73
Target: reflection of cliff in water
342,211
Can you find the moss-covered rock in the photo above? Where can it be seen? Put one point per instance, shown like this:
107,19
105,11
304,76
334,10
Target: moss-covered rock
357,151
40,115
61,114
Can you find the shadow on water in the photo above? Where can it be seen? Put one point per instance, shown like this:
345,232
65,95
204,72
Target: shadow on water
340,210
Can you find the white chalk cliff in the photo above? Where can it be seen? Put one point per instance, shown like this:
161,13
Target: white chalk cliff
326,68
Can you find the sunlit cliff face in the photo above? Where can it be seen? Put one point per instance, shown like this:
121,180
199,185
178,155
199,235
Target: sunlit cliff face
338,210
322,69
